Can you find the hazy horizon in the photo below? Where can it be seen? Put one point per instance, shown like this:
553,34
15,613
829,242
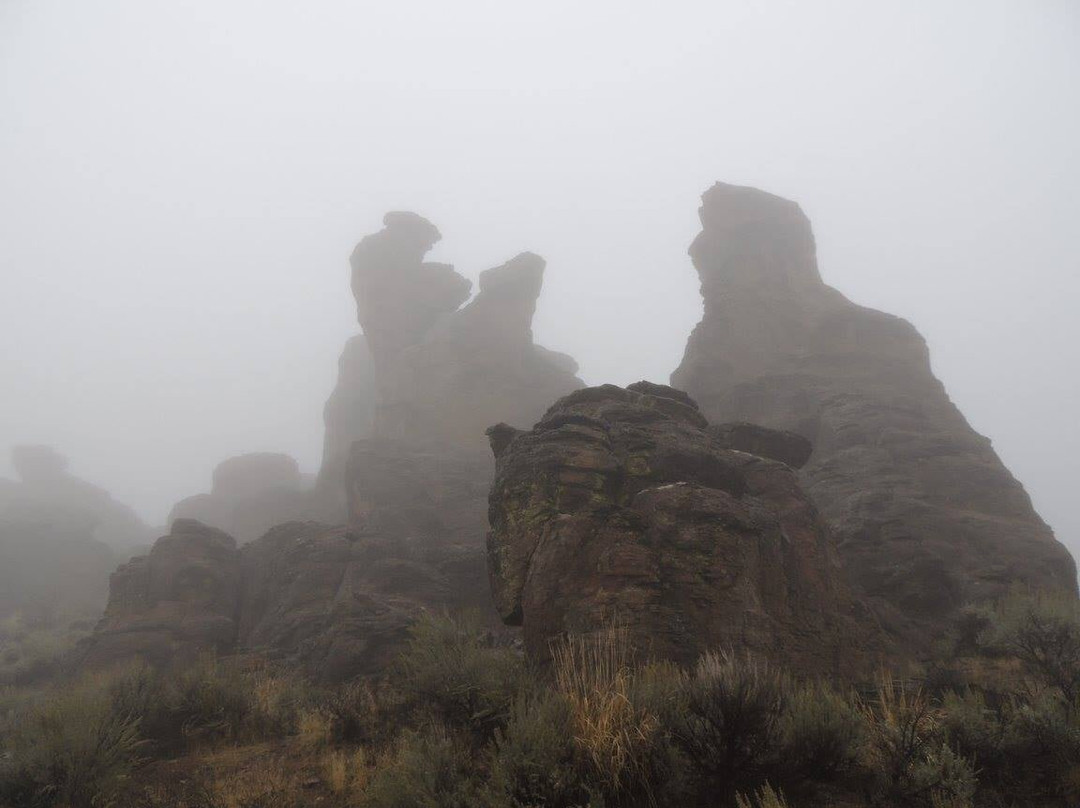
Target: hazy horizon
181,186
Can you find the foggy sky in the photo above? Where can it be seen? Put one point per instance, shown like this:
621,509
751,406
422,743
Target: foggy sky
181,184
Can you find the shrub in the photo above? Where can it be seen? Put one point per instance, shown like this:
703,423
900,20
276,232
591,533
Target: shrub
535,757
1043,631
1041,743
906,757
732,727
466,680
71,749
428,770
821,734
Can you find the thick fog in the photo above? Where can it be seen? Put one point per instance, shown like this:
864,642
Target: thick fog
181,184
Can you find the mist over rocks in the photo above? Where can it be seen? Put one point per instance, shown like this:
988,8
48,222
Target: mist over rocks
926,516
348,416
60,537
171,605
250,494
622,506
446,373
334,601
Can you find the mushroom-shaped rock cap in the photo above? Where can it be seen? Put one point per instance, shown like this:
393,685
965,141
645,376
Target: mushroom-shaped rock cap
414,227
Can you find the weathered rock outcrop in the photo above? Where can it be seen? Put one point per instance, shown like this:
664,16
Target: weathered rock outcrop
178,601
251,493
445,374
334,601
926,515
411,480
621,505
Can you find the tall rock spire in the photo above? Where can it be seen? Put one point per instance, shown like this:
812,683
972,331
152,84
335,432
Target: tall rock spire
926,514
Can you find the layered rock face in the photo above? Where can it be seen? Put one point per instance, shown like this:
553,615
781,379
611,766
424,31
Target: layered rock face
621,505
251,493
445,374
334,601
176,602
926,515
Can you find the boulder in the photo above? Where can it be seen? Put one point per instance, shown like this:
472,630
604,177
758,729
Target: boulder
926,516
621,506
167,607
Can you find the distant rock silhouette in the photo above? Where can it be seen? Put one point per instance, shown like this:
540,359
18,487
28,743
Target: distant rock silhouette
622,506
926,515
60,537
251,493
445,374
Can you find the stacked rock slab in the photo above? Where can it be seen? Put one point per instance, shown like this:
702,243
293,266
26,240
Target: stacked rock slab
926,516
621,506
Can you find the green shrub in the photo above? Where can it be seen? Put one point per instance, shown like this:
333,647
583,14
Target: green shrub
732,726
906,756
821,734
535,761
1042,630
430,770
70,749
451,668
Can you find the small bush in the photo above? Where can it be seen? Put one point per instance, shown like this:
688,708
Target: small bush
821,734
535,756
470,683
906,755
1042,630
428,770
71,749
732,726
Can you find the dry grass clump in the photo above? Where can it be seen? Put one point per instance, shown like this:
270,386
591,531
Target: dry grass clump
617,739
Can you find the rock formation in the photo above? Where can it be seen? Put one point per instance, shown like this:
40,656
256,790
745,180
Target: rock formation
169,606
410,480
334,601
622,506
348,416
60,537
926,515
250,494
445,374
